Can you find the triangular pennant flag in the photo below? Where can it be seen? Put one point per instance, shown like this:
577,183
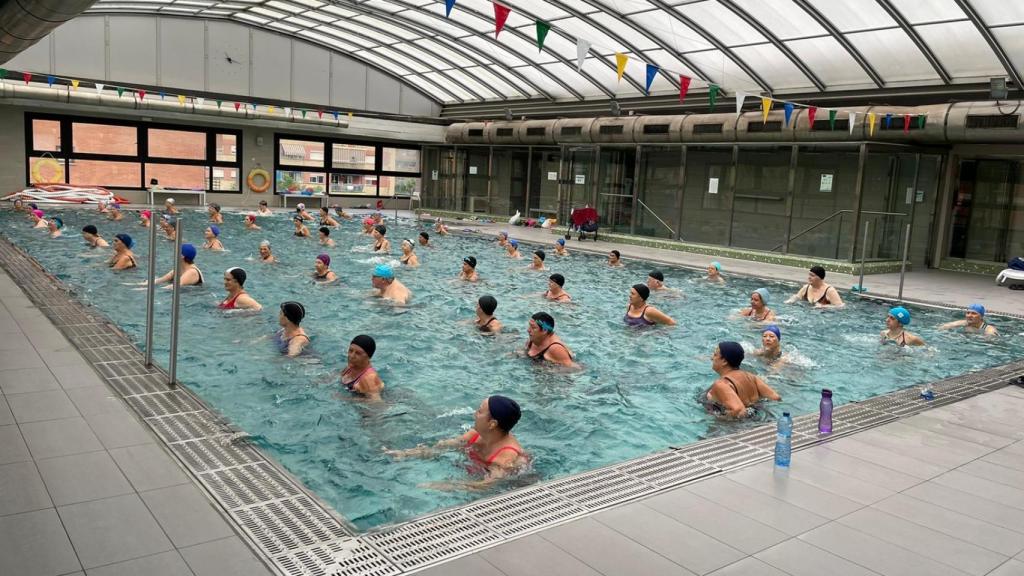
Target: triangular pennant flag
270,109
99,89
288,111
200,101
620,64
181,99
542,32
853,121
832,119
237,106
50,80
142,94
3,73
811,113
162,94
253,107
320,114
740,97
920,121
713,95
652,71
120,91
684,87
766,107
500,16
906,123
219,104
335,115
303,112
787,108
582,47
349,115
448,5
871,123
74,84
26,76
888,121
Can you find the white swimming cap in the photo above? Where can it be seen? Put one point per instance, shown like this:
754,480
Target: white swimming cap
169,201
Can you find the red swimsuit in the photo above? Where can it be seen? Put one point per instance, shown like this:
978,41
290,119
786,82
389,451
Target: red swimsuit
229,304
490,459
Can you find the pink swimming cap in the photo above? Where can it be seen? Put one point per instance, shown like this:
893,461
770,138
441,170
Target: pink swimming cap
147,214
250,218
37,213
367,221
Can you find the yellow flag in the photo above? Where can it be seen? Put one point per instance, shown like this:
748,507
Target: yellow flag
349,114
871,123
181,99
766,107
74,84
620,64
270,109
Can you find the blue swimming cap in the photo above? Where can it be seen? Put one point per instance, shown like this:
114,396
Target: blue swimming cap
503,233
977,308
215,229
560,241
514,243
900,313
765,296
58,222
717,265
126,240
188,252
774,330
384,271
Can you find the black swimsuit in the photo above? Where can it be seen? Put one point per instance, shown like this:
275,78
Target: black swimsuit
540,356
485,327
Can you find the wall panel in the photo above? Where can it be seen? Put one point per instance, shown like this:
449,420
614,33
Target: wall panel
225,40
182,53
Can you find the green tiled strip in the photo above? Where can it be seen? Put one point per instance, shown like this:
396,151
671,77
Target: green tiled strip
972,266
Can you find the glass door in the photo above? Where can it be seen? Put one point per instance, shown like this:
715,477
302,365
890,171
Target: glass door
615,190
578,181
980,216
544,182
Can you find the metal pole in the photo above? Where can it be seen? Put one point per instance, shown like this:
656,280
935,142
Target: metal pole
150,292
903,263
863,257
175,302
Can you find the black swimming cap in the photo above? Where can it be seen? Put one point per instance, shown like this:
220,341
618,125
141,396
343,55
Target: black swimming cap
732,353
471,261
488,303
293,311
89,229
424,235
557,279
657,275
616,252
540,254
642,290
238,274
326,209
545,321
818,271
505,410
382,229
366,343
325,230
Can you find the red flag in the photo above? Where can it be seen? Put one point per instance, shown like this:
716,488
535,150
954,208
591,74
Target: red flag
237,106
684,87
142,94
906,123
811,112
500,15
320,114
27,76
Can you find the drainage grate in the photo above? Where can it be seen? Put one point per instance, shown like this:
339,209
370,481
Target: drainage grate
122,369
349,557
860,415
207,454
289,525
761,437
666,469
432,539
180,427
87,342
724,453
111,354
600,488
132,385
163,403
248,485
523,511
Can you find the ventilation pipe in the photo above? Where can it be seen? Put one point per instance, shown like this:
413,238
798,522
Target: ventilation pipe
25,22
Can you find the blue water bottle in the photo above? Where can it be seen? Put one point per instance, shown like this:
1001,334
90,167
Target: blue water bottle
784,441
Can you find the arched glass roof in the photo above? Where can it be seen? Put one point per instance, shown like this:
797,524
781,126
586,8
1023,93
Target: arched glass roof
769,46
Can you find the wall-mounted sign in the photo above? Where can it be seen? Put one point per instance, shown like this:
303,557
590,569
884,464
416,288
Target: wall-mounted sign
552,175
433,174
712,185
825,185
581,179
472,169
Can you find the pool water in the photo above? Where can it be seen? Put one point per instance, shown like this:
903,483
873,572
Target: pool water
635,394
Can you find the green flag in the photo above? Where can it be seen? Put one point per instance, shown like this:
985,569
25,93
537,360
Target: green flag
832,119
120,91
920,121
3,73
303,113
713,95
542,32
219,102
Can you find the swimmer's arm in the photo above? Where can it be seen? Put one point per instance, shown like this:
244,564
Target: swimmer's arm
833,296
428,451
746,312
954,324
165,278
248,302
769,316
801,293
990,330
295,346
915,340
660,317
766,391
559,355
728,399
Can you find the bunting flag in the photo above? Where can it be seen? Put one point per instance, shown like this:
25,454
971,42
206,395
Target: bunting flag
181,99
812,111
320,114
74,84
920,121
713,91
832,119
888,121
219,104
335,115
853,118
740,97
200,101
582,47
287,111
906,123
27,76
871,123
237,106
500,16
3,73
50,80
142,94
448,5
684,87
542,32
162,94
99,89
270,109
787,108
766,107
303,112
120,91
349,115
652,71
620,64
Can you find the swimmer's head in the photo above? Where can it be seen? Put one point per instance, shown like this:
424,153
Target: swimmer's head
90,229
762,294
214,207
424,238
367,221
37,213
488,304
557,279
513,244
361,344
265,244
817,271
188,252
715,267
642,292
380,229
293,312
56,223
384,272
469,261
126,240
614,256
539,255
236,274
560,241
325,210
543,321
504,412
977,309
408,243
250,218
503,234
901,314
770,335
265,248
169,201
147,214
215,230
297,220
33,205
300,207
656,275
263,202
731,353
324,259
325,231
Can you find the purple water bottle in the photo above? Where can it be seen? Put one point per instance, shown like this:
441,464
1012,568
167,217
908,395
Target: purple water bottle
825,416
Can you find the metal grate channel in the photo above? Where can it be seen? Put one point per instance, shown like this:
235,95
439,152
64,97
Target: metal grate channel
600,488
723,453
163,403
666,469
111,354
348,557
289,525
132,385
121,369
88,342
208,454
523,511
432,539
192,426
248,485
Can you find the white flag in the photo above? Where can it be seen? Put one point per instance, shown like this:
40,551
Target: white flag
740,97
582,47
288,112
853,118
200,102
99,89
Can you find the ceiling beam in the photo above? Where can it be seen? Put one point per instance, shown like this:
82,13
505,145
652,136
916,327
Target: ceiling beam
843,41
917,40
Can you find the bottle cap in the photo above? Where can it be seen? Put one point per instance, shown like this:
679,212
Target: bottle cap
825,392
785,414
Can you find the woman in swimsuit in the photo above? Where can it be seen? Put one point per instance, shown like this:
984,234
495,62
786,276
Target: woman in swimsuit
167,227
123,258
715,273
170,207
512,249
250,222
324,234
973,322
615,259
191,275
485,320
440,227
409,257
340,213
555,293
560,247
55,225
359,377
542,344
115,212
323,272
325,217
37,218
468,272
639,313
266,256
735,390
771,347
93,238
263,210
816,291
238,298
300,228
300,212
759,310
291,339
503,238
382,244
898,318
212,237
368,225
538,260
215,216
146,218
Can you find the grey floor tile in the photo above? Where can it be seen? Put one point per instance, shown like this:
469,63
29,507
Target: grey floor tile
780,515
608,551
970,505
21,489
228,557
900,461
741,532
924,445
59,437
96,400
473,565
1000,418
6,417
15,359
978,532
113,530
691,549
1010,568
65,356
12,446
34,544
119,429
994,472
800,558
749,566
148,467
1006,495
935,545
797,492
857,468
939,426
1006,458
533,555
76,377
27,380
12,336
37,406
186,515
838,483
82,477
163,564
875,554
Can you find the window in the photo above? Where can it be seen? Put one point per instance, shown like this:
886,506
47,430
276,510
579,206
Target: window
399,186
354,156
365,184
298,182
401,160
104,173
225,179
105,139
301,153
177,144
46,135
179,176
226,147
344,168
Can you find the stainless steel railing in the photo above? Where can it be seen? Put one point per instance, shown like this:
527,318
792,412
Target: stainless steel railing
839,213
175,300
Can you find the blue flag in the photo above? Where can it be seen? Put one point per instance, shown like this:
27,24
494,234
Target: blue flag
652,71
448,5
50,80
788,109
888,121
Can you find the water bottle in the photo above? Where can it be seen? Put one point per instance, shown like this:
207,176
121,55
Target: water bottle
784,441
825,412
927,393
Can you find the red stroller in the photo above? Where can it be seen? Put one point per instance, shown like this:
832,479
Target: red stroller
585,220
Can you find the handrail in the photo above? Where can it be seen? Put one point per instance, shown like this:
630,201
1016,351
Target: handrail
831,216
648,208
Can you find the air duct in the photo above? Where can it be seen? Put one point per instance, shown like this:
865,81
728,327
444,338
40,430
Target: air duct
25,22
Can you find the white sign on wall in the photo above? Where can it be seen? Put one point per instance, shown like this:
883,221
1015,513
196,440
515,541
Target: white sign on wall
433,174
472,169
552,175
826,183
712,185
581,179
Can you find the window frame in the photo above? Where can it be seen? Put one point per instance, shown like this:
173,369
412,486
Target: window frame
329,169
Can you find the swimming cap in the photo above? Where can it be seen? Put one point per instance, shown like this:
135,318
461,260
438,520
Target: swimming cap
657,275
297,219
325,259
325,230
818,271
412,245
216,207
774,330
169,201
717,265
424,235
471,261
115,205
293,311
126,240
900,313
384,271
265,243
503,233
300,206
488,303
540,254
557,279
250,218
545,321
642,290
505,411
215,229
325,209
731,352
366,343
90,229
33,205
616,252
37,213
188,252
58,222
513,243
560,241
977,308
263,202
381,229
368,221
238,274
147,214
763,293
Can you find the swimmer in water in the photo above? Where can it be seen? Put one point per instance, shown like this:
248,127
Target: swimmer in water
359,377
325,217
18,205
212,237
323,272
215,216
816,291
759,310
266,256
560,247
368,225
93,238
735,390
300,212
115,213
250,222
503,238
468,272
263,209
895,321
146,218
440,227
615,259
300,228
973,323
555,291
55,225
485,319
542,343
381,244
238,298
123,258
191,275
656,281
377,218
167,227
324,234
387,286
340,213
771,347
409,257
170,207
512,249
291,339
639,313
715,273
101,207
37,219
424,240
538,260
